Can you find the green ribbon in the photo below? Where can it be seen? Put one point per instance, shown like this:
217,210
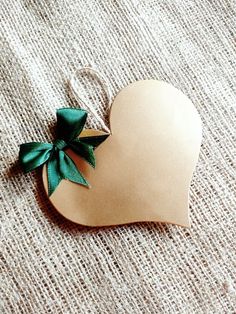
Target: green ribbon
70,123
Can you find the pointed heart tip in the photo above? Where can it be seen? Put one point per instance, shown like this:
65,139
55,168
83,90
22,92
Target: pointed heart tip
186,223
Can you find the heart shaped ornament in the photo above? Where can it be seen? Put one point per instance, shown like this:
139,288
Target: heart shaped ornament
144,168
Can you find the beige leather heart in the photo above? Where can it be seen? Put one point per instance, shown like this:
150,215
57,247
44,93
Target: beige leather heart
145,166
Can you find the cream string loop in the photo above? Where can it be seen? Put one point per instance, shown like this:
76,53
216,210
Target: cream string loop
89,107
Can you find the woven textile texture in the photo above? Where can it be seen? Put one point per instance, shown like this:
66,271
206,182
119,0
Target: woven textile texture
49,265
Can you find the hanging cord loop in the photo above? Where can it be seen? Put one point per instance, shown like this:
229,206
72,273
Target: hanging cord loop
74,89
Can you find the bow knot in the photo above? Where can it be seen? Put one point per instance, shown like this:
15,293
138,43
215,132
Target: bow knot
60,144
70,123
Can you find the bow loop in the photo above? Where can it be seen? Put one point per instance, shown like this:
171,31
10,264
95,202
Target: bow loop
70,123
32,155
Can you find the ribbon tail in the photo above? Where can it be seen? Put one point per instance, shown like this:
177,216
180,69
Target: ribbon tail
53,173
68,170
84,150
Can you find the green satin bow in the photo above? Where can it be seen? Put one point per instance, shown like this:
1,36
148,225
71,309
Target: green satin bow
70,123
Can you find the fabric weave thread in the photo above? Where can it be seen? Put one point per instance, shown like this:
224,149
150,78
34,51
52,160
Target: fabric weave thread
49,265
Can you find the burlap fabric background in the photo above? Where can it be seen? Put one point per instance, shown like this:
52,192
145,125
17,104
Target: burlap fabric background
50,265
